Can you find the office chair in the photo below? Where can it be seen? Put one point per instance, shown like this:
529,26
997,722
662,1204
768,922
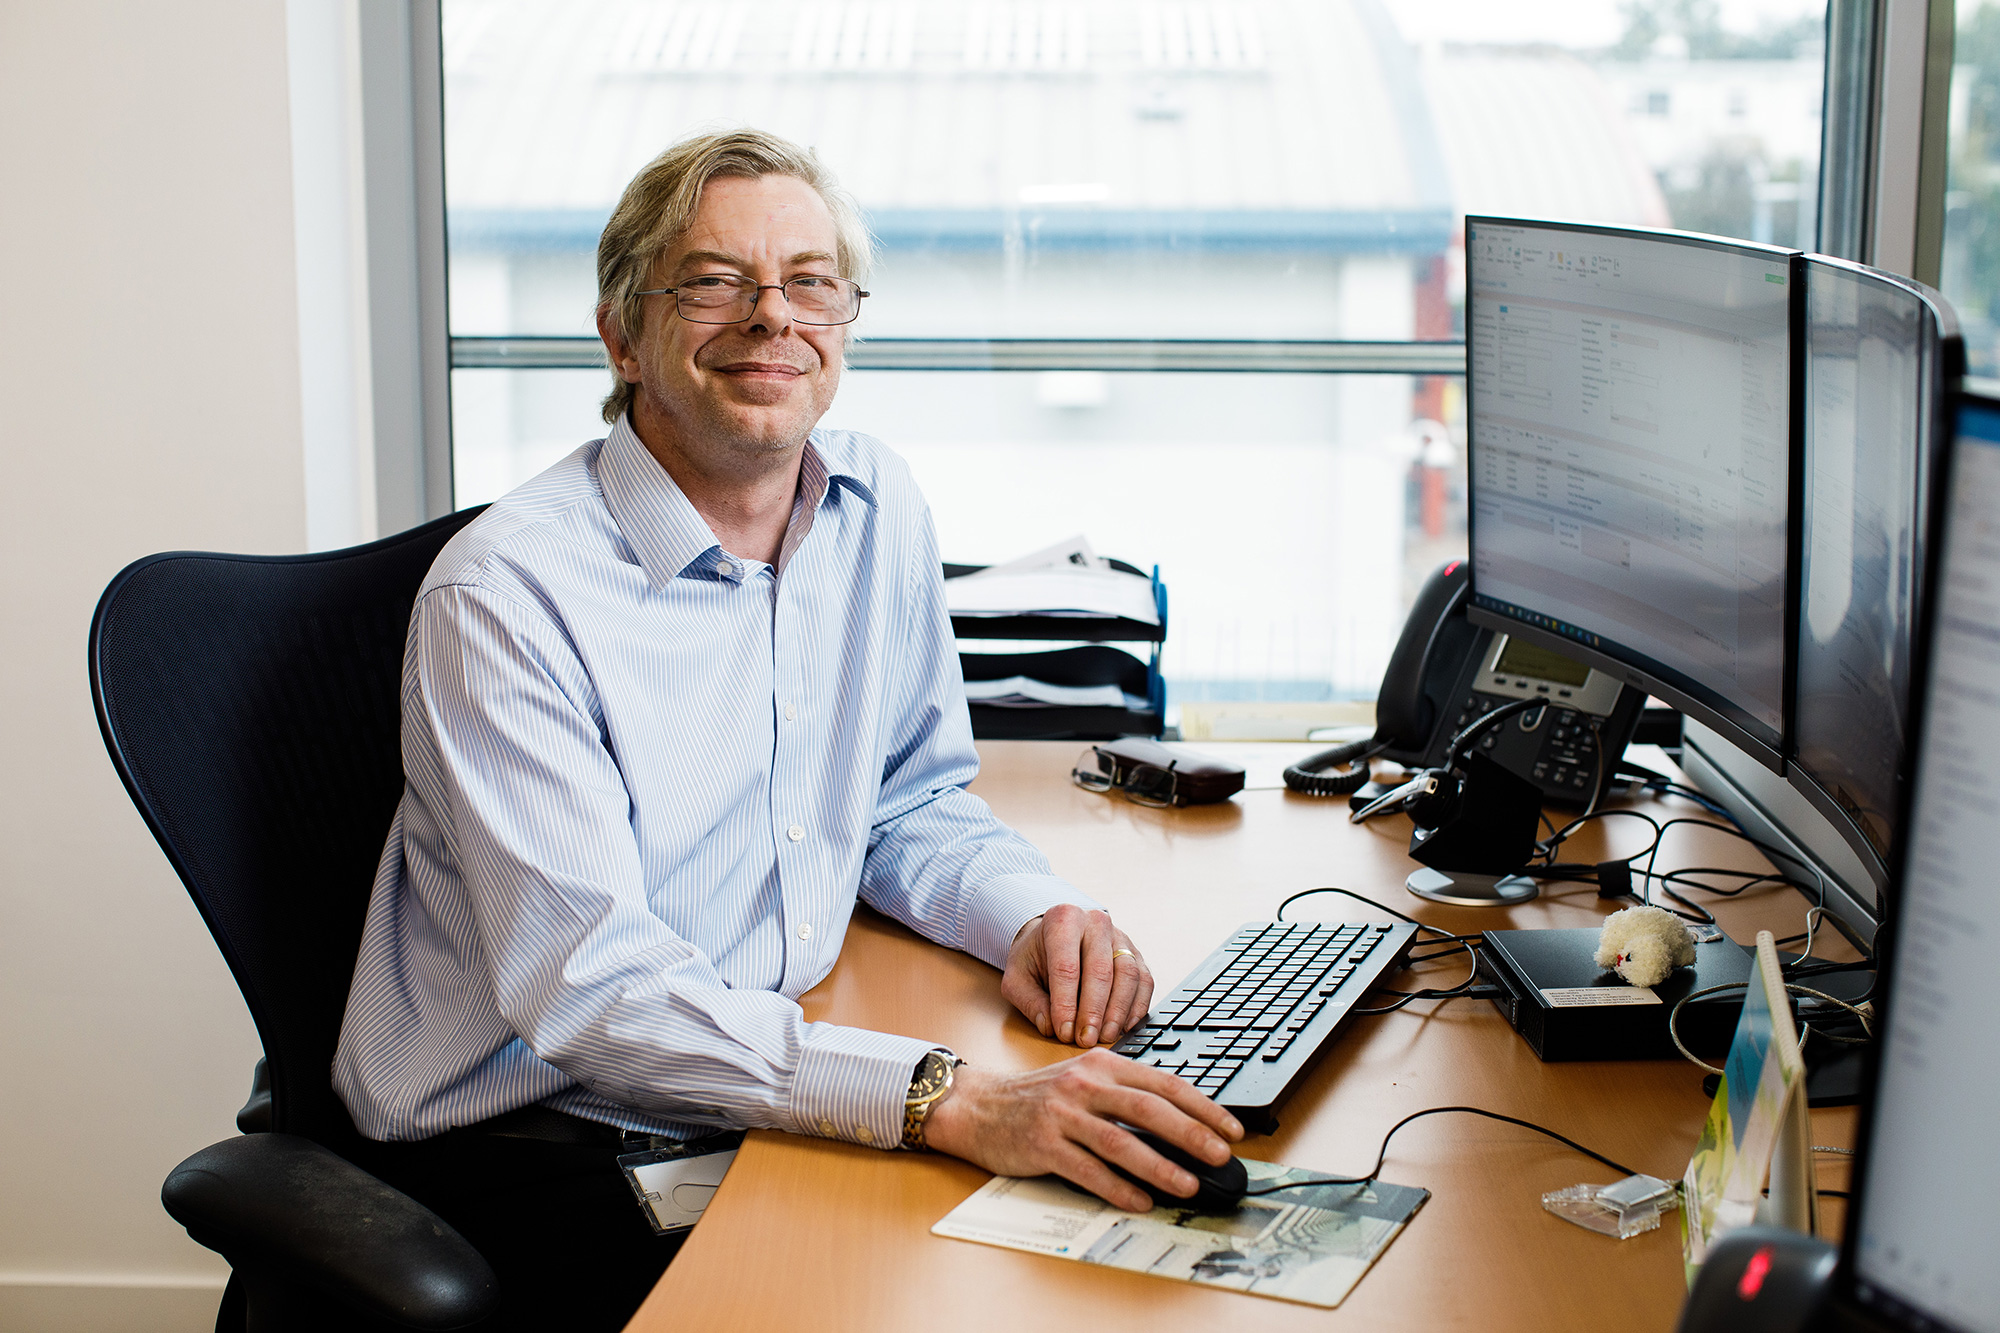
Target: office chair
251,704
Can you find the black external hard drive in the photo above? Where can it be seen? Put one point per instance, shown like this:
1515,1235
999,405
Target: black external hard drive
1569,1008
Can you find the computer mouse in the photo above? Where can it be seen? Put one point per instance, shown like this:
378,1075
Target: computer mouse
1218,1189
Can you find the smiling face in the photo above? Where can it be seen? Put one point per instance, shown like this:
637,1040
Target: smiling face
735,399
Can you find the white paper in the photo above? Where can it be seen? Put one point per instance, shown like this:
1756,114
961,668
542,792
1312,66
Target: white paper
1583,997
1061,591
1024,691
1309,1245
1075,553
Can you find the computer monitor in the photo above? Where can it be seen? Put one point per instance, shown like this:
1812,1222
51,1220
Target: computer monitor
1629,413
1879,351
1919,1243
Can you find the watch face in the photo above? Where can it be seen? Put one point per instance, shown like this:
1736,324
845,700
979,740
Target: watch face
931,1075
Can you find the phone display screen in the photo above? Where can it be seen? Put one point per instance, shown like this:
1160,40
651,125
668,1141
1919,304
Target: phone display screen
1525,659
1630,451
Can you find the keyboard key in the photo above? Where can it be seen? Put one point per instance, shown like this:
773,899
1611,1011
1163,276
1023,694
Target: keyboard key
1189,1019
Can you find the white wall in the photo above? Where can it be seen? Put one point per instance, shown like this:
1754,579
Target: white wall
149,374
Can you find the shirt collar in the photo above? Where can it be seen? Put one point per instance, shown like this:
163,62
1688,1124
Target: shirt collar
659,521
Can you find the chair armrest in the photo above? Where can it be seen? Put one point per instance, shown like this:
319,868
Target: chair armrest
255,1117
286,1207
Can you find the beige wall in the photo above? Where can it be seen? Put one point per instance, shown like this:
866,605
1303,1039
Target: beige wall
149,399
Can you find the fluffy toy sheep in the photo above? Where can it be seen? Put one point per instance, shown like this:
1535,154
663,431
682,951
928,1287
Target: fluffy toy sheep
1644,944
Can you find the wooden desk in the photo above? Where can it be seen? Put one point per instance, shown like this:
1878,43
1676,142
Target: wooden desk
807,1233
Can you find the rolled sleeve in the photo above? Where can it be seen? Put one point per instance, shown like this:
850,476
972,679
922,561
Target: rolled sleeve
851,1084
1001,906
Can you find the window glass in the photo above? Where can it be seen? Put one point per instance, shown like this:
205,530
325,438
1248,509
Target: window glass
1293,170
1273,538
1971,259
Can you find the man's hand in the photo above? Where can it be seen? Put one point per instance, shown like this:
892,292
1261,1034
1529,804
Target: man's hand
1063,975
1061,1118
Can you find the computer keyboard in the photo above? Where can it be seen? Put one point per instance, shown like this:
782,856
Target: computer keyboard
1248,1022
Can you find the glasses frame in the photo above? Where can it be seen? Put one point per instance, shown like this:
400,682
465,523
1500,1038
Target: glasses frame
1125,778
757,294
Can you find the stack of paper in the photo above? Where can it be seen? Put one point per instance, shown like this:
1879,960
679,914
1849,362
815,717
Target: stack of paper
1067,579
1026,692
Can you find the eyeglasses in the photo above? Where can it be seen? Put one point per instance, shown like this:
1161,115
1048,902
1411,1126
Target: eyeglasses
730,298
1145,784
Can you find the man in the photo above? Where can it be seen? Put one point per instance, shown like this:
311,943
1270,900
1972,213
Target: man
667,710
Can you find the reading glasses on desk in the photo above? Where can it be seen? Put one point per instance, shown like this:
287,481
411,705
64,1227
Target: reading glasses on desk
1145,784
730,298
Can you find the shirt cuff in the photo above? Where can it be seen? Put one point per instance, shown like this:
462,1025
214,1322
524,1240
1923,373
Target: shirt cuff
1001,906
851,1084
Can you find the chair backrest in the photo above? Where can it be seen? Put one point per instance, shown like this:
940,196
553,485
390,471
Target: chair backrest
251,706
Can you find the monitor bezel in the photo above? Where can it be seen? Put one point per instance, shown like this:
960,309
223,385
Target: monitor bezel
1943,355
1888,935
1754,737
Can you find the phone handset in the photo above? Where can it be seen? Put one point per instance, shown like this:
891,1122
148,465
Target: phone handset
1407,707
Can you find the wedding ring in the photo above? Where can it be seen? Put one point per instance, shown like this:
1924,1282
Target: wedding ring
1116,954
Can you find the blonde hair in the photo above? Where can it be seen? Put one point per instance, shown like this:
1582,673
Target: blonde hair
660,204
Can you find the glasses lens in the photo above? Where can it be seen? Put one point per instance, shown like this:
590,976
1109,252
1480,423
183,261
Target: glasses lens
1093,771
823,300
717,298
1149,785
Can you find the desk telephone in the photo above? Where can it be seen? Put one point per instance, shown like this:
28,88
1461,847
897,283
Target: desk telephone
1446,673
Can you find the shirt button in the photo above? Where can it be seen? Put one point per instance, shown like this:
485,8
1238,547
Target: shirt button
805,930
796,832
864,1133
826,1127
724,568
791,713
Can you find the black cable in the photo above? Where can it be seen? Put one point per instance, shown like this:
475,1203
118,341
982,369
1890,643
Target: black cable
1555,840
1463,988
1454,752
1465,942
1471,990
1309,775
1446,950
1362,898
1383,1155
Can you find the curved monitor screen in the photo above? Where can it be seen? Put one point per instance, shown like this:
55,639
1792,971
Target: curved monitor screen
1871,347
1630,453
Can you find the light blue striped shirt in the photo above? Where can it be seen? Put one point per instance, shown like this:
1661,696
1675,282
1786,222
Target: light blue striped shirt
645,782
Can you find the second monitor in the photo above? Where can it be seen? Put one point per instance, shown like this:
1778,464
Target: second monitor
1629,408
1879,352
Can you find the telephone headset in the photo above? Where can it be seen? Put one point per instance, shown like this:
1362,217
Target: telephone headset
1448,695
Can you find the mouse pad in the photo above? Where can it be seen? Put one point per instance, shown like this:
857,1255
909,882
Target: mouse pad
1311,1244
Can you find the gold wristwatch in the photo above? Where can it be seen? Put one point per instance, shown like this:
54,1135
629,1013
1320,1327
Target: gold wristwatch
929,1085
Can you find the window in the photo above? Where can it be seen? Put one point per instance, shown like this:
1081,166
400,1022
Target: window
1183,275
1970,275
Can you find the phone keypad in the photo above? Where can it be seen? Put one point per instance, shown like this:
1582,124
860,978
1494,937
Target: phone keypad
1564,750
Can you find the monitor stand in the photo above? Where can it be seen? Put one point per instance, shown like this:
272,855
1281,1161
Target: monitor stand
1462,888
